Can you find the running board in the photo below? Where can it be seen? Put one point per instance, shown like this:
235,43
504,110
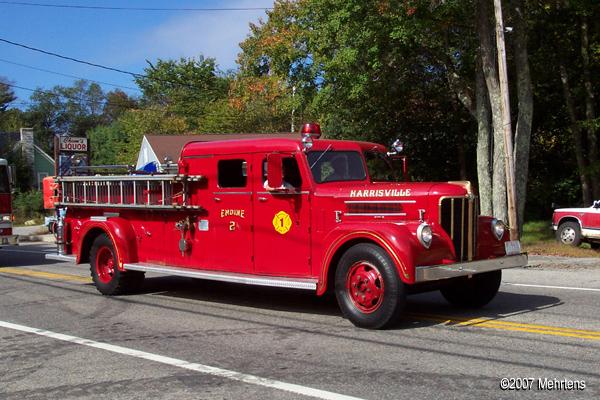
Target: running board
260,280
61,257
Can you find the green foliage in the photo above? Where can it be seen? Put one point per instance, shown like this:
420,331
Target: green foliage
63,110
28,205
371,70
117,103
7,95
119,143
185,87
536,231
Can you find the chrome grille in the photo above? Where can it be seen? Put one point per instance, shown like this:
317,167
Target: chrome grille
458,217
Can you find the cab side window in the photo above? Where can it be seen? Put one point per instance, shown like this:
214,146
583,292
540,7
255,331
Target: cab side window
291,171
232,173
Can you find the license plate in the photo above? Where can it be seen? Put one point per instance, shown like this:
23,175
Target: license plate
512,247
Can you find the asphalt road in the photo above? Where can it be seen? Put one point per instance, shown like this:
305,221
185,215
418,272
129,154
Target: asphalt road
187,339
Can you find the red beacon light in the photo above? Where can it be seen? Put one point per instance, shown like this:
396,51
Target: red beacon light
311,129
309,132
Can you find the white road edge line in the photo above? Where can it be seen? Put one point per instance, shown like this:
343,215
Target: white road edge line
552,287
205,369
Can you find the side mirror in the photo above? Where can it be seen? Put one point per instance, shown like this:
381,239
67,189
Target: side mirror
397,147
274,170
596,204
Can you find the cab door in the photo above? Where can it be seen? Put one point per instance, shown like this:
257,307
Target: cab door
282,220
230,215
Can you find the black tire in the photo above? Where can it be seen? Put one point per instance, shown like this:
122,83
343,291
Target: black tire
107,277
475,292
368,289
569,233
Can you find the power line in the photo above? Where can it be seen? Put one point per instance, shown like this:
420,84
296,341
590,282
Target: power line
121,71
108,8
67,75
50,53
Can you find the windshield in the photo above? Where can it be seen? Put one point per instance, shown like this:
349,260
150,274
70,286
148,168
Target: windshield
4,186
336,166
381,167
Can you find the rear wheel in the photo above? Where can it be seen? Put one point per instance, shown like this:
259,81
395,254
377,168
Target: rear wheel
367,287
107,277
475,292
569,233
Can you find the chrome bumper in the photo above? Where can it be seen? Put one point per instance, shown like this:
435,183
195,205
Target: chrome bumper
9,239
446,271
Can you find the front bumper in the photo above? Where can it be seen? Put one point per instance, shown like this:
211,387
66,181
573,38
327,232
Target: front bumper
447,271
9,239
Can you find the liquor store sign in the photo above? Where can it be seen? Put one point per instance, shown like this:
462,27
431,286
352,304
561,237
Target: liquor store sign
73,144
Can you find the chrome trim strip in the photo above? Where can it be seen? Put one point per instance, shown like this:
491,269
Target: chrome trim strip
280,192
220,193
380,201
120,178
273,281
375,214
446,271
61,257
117,205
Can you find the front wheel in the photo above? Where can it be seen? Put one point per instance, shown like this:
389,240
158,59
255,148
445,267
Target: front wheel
474,292
107,277
569,233
367,287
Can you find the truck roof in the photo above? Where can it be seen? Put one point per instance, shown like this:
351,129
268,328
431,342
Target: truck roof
261,144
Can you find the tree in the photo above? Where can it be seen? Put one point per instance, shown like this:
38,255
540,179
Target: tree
7,95
63,110
185,87
117,103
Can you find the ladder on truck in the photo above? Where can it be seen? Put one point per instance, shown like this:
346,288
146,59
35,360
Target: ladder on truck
168,191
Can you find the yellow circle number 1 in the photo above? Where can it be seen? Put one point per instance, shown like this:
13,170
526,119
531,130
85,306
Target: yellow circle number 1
282,222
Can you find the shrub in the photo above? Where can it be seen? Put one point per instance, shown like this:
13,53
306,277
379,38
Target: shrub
28,205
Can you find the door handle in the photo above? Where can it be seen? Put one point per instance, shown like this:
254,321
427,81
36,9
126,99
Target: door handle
262,199
217,199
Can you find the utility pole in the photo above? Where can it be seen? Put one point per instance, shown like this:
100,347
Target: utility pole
506,123
293,108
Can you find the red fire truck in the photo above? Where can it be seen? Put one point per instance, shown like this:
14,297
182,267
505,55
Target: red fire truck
6,215
305,213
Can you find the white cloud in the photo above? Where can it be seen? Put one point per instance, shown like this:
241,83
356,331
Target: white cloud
212,34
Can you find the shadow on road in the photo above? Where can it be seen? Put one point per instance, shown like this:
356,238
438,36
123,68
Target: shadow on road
425,304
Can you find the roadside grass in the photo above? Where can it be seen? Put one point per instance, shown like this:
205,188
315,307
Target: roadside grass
538,238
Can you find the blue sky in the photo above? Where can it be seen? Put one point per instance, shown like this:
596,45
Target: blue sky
121,39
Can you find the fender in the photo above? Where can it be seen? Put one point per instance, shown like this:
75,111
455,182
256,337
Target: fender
396,240
119,231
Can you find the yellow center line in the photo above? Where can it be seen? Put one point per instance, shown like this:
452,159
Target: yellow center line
42,274
508,326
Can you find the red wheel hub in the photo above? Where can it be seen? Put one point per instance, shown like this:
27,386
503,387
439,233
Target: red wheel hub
105,264
365,286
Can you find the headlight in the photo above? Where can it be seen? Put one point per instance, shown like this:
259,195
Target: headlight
6,218
498,228
425,235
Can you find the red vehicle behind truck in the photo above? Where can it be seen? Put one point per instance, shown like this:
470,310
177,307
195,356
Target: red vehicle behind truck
6,214
304,213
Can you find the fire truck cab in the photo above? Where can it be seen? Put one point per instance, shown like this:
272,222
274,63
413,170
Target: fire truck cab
6,215
305,213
